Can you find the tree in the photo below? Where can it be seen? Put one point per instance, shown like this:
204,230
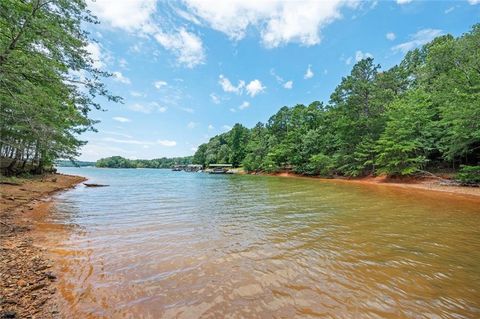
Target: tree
452,76
238,139
48,82
417,115
409,136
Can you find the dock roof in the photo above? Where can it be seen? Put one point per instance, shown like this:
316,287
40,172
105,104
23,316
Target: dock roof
220,165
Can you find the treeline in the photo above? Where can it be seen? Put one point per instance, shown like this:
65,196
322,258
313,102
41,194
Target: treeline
121,162
63,163
47,82
419,115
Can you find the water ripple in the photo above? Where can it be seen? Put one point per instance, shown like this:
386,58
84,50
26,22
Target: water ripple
157,243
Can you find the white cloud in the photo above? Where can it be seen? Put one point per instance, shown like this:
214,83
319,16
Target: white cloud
227,86
279,22
147,108
136,48
137,94
473,2
126,141
227,127
155,106
137,107
191,125
186,46
210,127
359,55
244,105
121,119
159,84
403,1
135,16
277,77
420,38
145,144
95,52
348,60
167,143
254,87
128,15
288,85
232,110
122,63
119,77
309,73
390,36
215,98
117,134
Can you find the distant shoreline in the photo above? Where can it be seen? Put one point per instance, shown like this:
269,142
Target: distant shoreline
412,183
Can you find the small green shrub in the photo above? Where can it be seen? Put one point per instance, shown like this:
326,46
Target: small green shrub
469,175
320,164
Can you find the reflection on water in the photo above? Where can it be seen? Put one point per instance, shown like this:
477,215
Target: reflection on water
168,244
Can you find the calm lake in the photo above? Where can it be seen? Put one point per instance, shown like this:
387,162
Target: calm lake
157,243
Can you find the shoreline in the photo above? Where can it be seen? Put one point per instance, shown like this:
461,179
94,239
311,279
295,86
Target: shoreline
409,183
27,279
27,283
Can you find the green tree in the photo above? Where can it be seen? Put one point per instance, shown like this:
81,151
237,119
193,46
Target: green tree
238,140
47,80
409,135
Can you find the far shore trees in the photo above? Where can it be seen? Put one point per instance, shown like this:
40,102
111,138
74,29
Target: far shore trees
121,162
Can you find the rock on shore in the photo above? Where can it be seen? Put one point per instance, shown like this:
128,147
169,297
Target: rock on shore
27,288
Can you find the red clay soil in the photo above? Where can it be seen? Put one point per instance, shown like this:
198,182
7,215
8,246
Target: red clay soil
26,282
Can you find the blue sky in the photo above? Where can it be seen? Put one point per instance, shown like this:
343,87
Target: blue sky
190,70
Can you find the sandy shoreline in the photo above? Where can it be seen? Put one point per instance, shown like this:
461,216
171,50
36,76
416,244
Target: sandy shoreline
26,278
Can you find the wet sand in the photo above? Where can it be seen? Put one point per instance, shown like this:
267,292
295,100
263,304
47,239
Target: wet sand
26,279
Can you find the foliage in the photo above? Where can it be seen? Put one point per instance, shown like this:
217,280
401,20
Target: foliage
61,163
469,175
48,81
422,113
409,135
320,164
121,162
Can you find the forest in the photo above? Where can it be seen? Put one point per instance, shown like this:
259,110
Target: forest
121,162
48,83
67,163
421,115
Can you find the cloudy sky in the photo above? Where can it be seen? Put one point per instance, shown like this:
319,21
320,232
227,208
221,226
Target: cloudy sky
190,70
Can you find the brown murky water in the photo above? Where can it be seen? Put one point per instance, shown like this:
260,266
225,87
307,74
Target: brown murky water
161,244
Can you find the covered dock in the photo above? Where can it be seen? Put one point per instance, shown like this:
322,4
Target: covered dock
220,168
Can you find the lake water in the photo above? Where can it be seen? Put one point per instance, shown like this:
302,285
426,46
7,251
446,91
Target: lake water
157,243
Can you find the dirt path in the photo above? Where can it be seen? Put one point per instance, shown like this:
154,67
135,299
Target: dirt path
26,281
